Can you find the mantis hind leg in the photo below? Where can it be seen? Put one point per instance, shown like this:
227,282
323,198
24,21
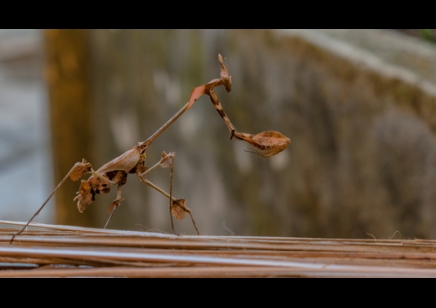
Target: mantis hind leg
177,207
114,205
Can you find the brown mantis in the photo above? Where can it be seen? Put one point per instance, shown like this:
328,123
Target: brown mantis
265,144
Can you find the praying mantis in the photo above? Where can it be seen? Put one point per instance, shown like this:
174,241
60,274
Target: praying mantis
114,173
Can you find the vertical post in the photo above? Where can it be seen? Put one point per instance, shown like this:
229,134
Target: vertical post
67,70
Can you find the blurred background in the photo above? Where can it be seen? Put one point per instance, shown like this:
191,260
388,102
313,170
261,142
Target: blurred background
358,105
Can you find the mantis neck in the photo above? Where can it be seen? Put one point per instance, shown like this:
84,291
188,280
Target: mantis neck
144,145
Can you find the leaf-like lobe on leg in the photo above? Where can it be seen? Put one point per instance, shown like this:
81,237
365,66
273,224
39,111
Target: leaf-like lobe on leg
167,160
79,169
84,196
178,209
196,94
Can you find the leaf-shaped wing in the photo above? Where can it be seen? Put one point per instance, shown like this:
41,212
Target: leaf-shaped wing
125,162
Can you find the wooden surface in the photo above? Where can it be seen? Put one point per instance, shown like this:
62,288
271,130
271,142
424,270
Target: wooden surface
65,251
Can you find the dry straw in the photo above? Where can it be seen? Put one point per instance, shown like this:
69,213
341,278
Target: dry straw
65,251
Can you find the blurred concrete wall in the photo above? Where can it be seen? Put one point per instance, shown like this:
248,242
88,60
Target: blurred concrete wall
358,106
